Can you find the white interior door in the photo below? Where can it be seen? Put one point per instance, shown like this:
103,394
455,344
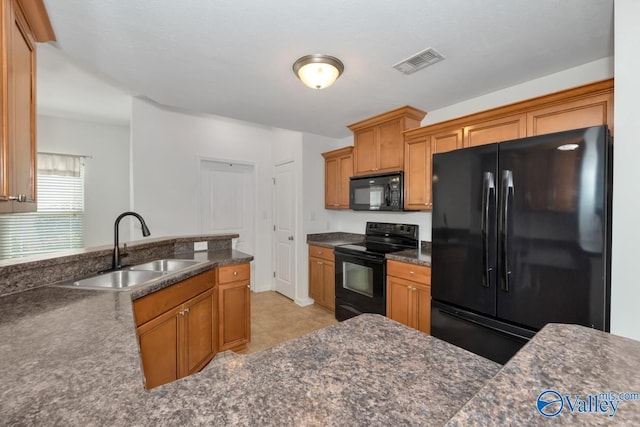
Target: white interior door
227,199
285,258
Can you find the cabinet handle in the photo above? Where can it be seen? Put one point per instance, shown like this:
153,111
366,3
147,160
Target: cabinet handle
186,310
19,198
181,313
319,262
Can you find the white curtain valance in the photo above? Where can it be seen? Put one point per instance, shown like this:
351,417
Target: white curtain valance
59,164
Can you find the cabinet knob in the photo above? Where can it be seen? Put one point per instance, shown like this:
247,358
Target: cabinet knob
235,273
249,286
186,310
318,262
19,198
411,272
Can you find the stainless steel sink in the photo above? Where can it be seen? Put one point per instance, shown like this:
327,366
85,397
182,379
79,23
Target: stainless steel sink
121,279
141,274
166,265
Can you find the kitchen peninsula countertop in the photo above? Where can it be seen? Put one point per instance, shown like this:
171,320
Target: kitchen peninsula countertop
70,357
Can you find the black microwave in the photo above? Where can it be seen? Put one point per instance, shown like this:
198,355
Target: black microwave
381,192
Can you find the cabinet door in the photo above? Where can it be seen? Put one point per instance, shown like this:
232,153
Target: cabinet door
390,146
417,173
422,306
18,169
160,348
365,152
234,312
447,140
331,183
328,285
315,279
498,130
399,300
591,111
199,331
345,168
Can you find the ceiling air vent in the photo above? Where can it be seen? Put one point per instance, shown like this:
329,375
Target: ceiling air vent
419,61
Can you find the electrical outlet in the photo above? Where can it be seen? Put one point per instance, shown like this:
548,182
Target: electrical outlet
200,246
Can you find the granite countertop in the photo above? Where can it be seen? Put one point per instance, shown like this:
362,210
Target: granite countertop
71,357
333,239
420,256
571,360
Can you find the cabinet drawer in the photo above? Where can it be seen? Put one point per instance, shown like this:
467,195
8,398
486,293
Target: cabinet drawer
413,272
321,252
234,273
152,305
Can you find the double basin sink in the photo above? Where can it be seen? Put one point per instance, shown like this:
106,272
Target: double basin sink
133,276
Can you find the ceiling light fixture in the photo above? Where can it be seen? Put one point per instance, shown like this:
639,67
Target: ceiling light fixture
318,71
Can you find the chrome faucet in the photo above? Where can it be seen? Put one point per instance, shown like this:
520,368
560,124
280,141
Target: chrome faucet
116,262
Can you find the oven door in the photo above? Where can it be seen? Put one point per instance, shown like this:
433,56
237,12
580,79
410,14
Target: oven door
360,284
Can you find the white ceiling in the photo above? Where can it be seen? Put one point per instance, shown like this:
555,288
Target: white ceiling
233,57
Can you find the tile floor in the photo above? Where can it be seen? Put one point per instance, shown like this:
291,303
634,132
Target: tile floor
275,319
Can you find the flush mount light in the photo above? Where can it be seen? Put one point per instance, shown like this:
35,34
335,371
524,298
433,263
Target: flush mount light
318,71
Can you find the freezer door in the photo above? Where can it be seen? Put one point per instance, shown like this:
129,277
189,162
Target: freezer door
463,271
481,335
552,229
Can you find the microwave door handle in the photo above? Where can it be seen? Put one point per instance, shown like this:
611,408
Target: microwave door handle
387,195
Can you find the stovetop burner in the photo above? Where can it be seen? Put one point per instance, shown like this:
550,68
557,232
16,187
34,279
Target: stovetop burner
382,238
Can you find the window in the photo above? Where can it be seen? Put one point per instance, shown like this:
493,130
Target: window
59,222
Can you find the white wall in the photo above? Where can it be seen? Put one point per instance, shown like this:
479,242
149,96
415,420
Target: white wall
106,171
597,70
166,146
625,289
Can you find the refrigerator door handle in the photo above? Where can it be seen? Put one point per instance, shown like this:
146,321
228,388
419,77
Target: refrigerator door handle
506,200
488,187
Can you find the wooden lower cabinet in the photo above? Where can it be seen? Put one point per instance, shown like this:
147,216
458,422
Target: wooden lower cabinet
234,307
322,276
182,339
409,295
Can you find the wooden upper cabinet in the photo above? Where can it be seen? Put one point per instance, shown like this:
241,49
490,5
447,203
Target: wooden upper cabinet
419,150
378,141
390,146
338,168
417,173
23,23
589,111
496,130
446,140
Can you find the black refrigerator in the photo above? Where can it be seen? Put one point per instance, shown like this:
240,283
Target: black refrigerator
521,237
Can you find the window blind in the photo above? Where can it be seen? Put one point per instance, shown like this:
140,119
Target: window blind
58,223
